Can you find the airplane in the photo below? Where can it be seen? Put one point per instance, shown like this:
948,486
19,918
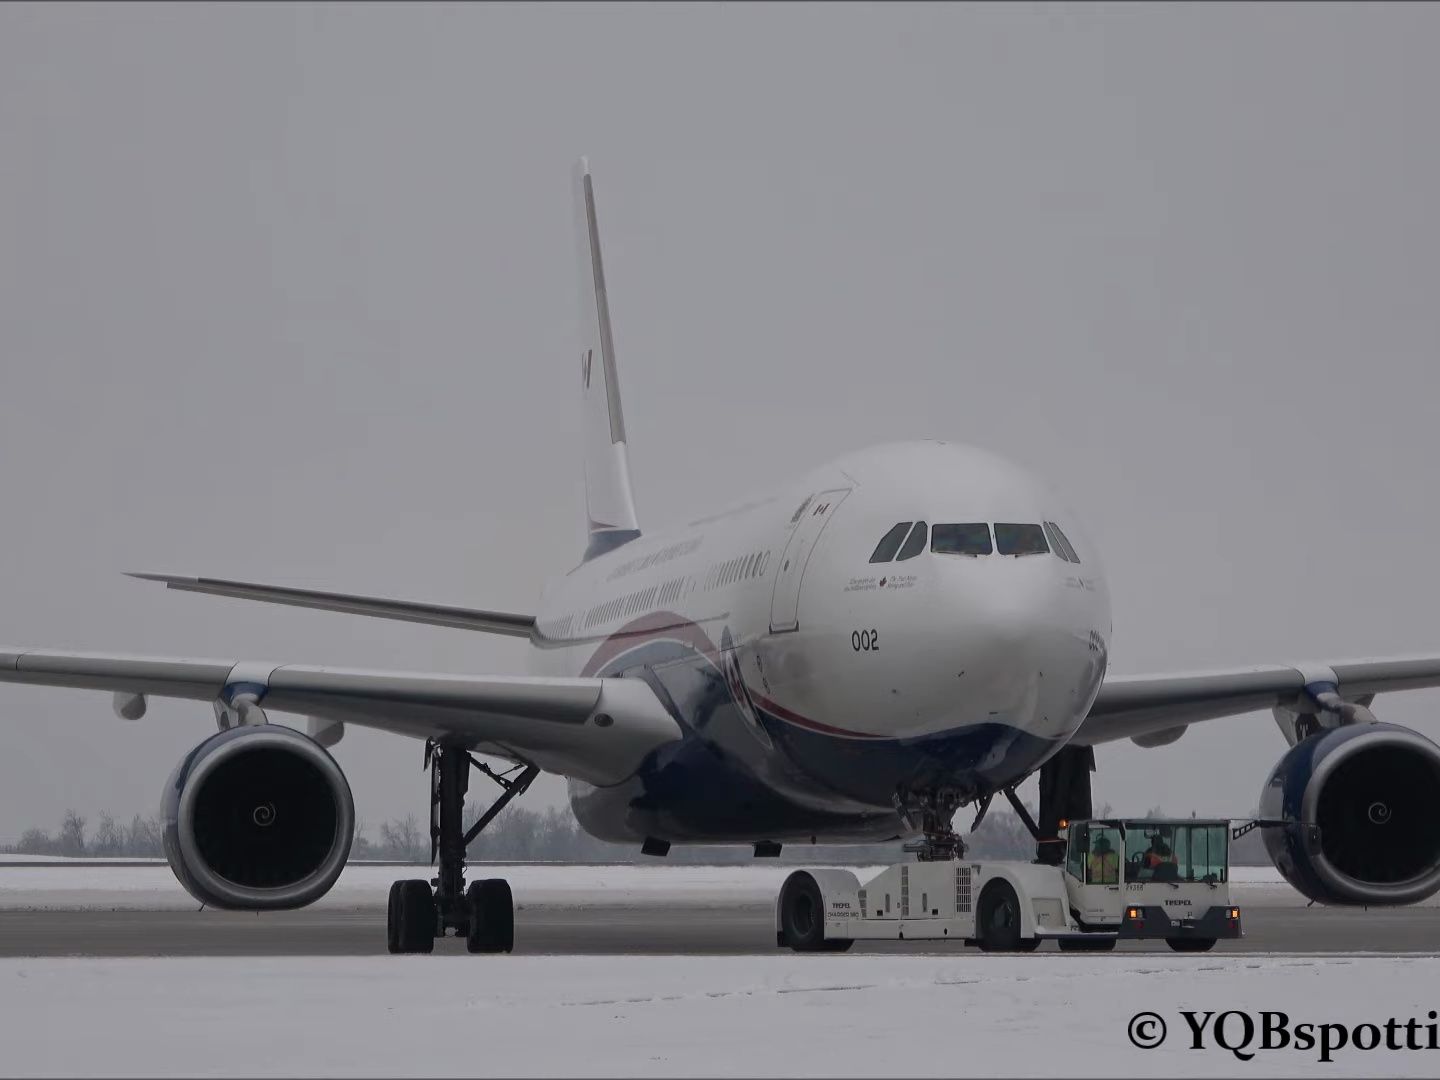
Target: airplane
851,656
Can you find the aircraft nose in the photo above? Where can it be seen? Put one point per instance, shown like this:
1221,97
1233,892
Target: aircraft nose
1013,629
1024,644
1012,613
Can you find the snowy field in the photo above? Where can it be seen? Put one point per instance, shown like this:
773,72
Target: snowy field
153,888
784,1015
615,1015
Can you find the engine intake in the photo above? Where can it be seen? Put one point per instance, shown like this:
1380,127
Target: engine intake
1363,806
258,818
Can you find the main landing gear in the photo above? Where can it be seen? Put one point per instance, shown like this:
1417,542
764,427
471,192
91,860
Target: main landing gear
484,914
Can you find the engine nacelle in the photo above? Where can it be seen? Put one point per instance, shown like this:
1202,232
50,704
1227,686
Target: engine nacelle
258,817
1364,806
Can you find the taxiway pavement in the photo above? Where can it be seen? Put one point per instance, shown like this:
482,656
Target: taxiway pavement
645,926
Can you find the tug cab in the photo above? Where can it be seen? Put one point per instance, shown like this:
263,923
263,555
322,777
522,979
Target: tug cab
1152,878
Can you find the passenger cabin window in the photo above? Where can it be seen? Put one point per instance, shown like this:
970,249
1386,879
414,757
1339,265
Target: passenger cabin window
890,543
914,543
1020,539
969,539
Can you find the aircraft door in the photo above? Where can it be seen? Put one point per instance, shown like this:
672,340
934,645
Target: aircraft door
812,517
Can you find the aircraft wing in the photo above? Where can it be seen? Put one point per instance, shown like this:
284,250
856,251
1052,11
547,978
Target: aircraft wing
1141,706
595,729
489,622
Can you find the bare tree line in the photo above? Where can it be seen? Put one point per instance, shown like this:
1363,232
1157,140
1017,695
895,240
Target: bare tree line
519,834
141,838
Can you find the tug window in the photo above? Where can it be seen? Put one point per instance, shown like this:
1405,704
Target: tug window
971,539
890,543
914,543
1020,539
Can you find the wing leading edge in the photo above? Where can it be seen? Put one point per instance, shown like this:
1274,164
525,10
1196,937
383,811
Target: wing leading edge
489,622
597,729
1141,706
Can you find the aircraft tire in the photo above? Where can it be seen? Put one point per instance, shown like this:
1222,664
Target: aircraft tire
491,909
410,917
392,919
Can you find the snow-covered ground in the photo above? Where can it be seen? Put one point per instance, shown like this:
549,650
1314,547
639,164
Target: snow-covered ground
66,860
78,886
784,1015
921,1014
155,888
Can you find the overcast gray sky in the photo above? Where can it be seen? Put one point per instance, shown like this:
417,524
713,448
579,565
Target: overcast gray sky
287,293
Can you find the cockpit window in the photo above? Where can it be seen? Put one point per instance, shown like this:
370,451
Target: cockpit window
1055,545
914,543
890,543
1020,539
1062,543
971,539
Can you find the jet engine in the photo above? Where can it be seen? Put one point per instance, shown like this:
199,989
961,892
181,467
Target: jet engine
1362,810
258,817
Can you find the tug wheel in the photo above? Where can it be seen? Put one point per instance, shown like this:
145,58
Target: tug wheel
1097,944
997,924
1191,944
802,916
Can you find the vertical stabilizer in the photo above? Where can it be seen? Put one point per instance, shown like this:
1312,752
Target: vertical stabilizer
609,504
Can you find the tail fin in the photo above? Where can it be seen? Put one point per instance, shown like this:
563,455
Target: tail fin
609,504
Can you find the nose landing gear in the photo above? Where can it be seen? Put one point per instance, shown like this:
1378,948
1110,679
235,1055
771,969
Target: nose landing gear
484,914
935,810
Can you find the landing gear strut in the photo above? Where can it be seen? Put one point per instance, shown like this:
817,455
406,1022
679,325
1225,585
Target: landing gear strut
935,809
1064,795
484,914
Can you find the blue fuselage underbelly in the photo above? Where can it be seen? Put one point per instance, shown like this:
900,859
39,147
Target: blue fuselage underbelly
742,773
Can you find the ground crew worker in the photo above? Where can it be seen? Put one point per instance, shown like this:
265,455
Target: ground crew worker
1158,853
1104,862
1161,861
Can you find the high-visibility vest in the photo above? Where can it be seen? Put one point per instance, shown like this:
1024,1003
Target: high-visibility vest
1104,865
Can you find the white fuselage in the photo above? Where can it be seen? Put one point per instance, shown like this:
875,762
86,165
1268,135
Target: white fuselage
847,675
